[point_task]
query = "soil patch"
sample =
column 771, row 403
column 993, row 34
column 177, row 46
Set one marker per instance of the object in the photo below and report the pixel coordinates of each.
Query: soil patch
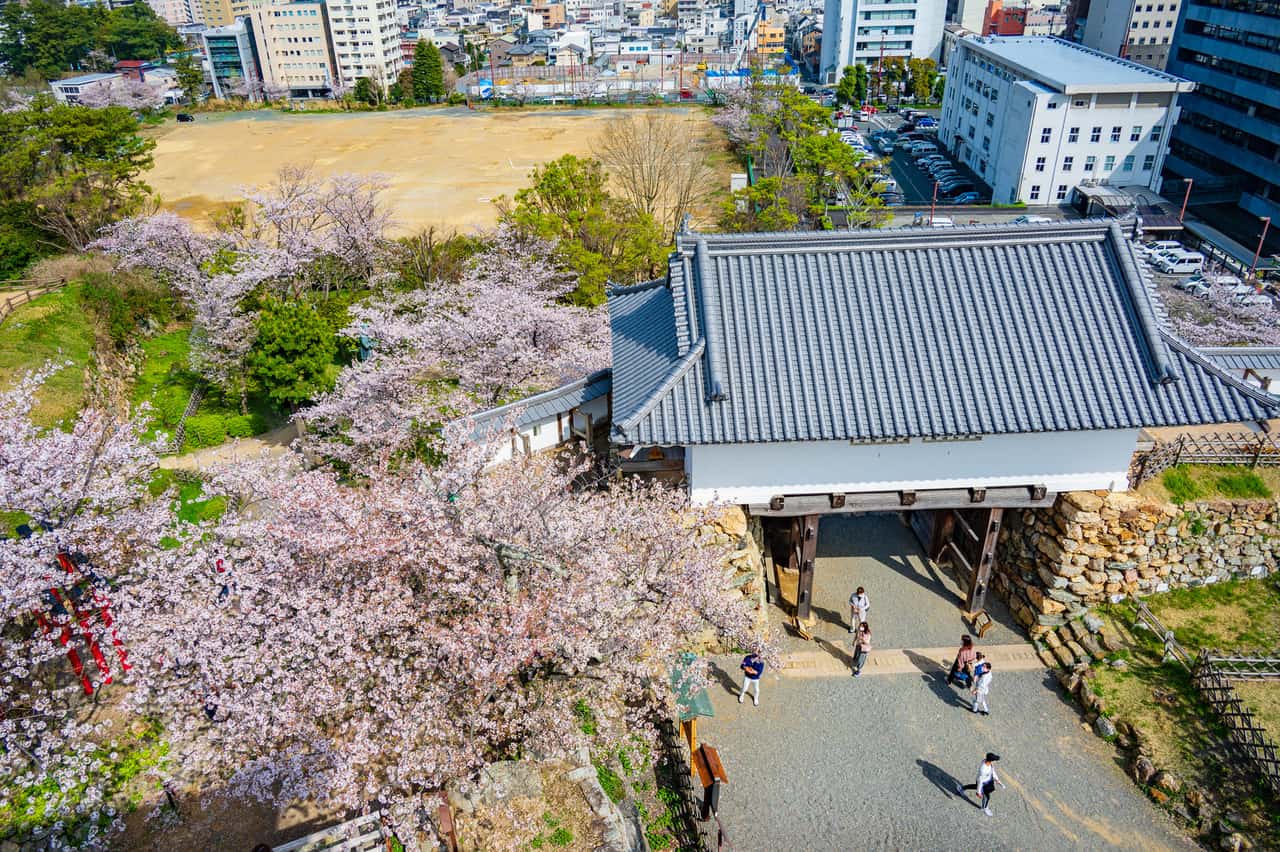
column 443, row 166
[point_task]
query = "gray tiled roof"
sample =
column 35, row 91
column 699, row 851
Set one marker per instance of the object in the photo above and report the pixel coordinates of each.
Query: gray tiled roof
column 1244, row 357
column 548, row 404
column 905, row 333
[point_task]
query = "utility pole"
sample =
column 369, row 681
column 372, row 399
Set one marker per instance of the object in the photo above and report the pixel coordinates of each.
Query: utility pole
column 880, row 70
column 1185, row 199
column 1266, row 224
column 934, row 203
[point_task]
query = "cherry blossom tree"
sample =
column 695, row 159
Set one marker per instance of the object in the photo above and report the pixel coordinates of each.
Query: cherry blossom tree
column 369, row 642
column 1222, row 320
column 82, row 494
column 125, row 92
column 500, row 330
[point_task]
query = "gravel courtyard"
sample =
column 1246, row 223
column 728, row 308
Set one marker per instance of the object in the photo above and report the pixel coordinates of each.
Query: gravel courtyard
column 837, row 763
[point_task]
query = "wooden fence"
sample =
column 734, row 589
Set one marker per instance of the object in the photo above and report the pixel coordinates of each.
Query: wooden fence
column 11, row 299
column 1248, row 739
column 1212, row 675
column 1239, row 448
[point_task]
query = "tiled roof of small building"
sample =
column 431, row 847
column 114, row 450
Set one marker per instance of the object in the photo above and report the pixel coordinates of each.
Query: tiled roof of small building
column 917, row 332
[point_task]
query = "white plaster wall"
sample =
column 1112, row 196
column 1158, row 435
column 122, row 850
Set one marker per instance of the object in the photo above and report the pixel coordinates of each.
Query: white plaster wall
column 1061, row 461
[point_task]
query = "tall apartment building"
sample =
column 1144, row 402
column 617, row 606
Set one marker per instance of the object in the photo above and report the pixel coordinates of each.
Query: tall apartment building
column 1140, row 30
column 856, row 31
column 366, row 40
column 1229, row 132
column 293, row 48
column 1035, row 117
column 175, row 12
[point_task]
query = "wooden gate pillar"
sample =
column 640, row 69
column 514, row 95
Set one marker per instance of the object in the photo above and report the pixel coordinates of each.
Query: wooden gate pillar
column 806, row 528
column 986, row 562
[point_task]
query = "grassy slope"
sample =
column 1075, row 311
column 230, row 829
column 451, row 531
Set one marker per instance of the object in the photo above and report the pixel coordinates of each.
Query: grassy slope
column 51, row 328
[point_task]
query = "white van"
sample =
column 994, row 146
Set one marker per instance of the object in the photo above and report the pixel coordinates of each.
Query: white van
column 1180, row 262
column 920, row 149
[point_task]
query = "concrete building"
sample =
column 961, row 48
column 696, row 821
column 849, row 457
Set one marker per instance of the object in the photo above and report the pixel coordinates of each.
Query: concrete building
column 1228, row 137
column 770, row 38
column 175, row 12
column 366, row 41
column 856, row 31
column 231, row 61
column 1035, row 117
column 1140, row 30
column 967, row 13
column 293, row 49
column 68, row 91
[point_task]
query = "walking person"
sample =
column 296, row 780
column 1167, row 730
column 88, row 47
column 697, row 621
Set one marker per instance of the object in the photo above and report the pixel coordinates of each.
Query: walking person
column 985, row 784
column 752, row 668
column 859, row 606
column 861, row 647
column 962, row 668
column 981, row 686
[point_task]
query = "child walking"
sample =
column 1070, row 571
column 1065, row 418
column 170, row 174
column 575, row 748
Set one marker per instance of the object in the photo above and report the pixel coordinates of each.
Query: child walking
column 861, row 647
column 985, row 784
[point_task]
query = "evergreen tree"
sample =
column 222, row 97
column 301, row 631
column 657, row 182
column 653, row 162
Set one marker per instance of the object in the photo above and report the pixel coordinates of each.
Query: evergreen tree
column 190, row 78
column 421, row 85
column 434, row 73
column 293, row 353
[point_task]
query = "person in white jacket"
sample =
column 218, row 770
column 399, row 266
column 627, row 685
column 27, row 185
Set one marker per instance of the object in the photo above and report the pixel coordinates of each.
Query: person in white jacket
column 859, row 607
column 985, row 783
column 981, row 686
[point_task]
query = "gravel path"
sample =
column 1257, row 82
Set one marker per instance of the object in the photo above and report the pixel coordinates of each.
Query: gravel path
column 838, row 763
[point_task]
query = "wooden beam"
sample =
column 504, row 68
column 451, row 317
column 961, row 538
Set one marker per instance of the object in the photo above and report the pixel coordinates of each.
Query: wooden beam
column 806, row 559
column 837, row 501
column 977, row 598
column 906, row 498
column 796, row 505
column 962, row 524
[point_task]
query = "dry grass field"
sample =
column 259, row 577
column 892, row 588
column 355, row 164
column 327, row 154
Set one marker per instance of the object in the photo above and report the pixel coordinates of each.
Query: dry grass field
column 443, row 166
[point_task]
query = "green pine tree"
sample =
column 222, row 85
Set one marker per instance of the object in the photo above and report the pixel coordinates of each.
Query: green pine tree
column 434, row 73
column 421, row 83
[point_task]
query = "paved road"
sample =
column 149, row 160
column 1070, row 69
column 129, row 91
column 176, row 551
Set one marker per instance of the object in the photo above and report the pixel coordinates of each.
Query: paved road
column 837, row 763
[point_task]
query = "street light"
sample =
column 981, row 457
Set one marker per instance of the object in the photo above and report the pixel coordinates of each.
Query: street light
column 1185, row 199
column 1266, row 223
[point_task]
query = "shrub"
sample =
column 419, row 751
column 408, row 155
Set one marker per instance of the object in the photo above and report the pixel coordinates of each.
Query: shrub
column 1181, row 487
column 123, row 301
column 1245, row 483
column 206, row 430
column 169, row 404
column 241, row 426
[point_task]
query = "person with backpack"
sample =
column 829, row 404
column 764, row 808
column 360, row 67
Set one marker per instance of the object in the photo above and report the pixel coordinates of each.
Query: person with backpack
column 962, row 669
column 981, row 686
column 985, row 784
column 861, row 648
column 859, row 607
column 752, row 668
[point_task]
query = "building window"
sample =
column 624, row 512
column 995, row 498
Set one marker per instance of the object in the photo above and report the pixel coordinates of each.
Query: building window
column 1035, row 192
column 1136, row 134
column 1115, row 134
column 1039, row 164
column 971, row 133
column 1148, row 162
column 1053, row 104
column 1128, row 164
column 1067, row 163
column 1045, row 134
column 1090, row 163
column 1109, row 164
column 1080, row 102
column 986, row 143
column 991, row 120
column 1062, row 191
column 1073, row 135
column 1156, row 131
column 1095, row 135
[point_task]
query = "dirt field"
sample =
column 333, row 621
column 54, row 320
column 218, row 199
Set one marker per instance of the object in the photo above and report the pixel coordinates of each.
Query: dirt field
column 444, row 166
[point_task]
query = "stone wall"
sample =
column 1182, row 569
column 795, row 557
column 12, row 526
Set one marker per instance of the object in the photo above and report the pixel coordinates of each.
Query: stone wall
column 1096, row 546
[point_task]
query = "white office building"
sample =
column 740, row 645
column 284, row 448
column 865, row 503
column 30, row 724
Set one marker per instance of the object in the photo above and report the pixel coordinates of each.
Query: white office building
column 366, row 40
column 1141, row 31
column 1035, row 117
column 856, row 31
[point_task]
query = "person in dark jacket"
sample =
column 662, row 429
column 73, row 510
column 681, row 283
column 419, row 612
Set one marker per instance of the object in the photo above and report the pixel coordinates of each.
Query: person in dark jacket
column 752, row 669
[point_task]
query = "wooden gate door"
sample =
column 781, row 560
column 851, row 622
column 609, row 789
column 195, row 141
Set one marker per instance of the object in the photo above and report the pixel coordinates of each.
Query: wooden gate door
column 968, row 537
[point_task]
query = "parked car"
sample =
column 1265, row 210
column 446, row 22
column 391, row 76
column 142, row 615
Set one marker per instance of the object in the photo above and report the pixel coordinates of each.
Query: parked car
column 1032, row 220
column 887, row 185
column 927, row 121
column 966, row 198
column 185, row 117
column 1180, row 262
column 1253, row 298
column 893, row 199
column 1194, row 286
